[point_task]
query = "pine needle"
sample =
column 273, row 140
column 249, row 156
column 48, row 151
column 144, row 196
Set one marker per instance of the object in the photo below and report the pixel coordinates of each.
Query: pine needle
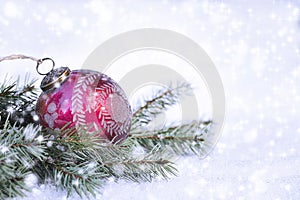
column 18, row 102
column 19, row 152
column 158, row 104
column 185, row 139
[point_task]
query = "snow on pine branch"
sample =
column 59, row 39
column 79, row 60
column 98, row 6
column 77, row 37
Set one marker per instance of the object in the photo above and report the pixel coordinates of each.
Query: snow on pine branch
column 159, row 103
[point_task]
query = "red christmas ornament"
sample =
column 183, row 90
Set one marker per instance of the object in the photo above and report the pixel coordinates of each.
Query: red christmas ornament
column 84, row 98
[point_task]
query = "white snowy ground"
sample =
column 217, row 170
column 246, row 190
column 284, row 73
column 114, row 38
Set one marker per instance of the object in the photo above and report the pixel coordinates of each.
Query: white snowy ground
column 255, row 47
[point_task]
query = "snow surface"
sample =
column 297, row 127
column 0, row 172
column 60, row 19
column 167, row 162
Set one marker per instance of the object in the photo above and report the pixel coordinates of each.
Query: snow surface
column 255, row 47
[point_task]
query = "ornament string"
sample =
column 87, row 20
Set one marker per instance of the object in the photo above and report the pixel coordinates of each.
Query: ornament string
column 18, row 57
column 37, row 60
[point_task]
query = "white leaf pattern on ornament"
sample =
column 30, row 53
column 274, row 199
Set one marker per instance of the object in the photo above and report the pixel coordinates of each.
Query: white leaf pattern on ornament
column 51, row 107
column 51, row 114
column 96, row 93
column 91, row 99
column 117, row 109
column 95, row 126
column 77, row 104
column 83, row 100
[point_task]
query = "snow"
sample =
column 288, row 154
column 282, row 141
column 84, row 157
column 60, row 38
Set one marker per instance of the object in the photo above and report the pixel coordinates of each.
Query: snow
column 40, row 138
column 31, row 180
column 255, row 47
column 10, row 109
column 4, row 149
column 35, row 117
column 10, row 10
column 49, row 143
column 30, row 133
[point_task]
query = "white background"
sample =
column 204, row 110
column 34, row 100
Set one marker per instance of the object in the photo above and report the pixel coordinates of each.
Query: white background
column 255, row 47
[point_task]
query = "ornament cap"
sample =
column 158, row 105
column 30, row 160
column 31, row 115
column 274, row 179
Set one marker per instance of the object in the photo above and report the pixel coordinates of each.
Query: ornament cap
column 55, row 78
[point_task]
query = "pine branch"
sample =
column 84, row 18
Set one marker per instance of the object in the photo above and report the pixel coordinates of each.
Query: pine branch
column 19, row 151
column 81, row 163
column 74, row 171
column 149, row 166
column 17, row 102
column 184, row 139
column 71, row 163
column 76, row 161
column 162, row 100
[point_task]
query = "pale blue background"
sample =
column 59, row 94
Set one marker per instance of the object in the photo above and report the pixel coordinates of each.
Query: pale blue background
column 254, row 45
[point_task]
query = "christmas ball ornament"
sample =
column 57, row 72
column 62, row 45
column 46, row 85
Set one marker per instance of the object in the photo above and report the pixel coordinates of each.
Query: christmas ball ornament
column 84, row 98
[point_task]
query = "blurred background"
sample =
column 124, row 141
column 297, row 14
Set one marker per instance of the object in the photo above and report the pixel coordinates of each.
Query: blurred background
column 255, row 46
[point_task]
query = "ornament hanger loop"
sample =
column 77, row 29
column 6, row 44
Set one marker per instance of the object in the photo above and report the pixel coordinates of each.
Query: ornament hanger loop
column 40, row 61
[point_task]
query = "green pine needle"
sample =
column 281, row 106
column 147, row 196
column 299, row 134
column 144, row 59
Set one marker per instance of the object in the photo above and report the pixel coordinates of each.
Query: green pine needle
column 18, row 102
column 158, row 104
column 183, row 139
column 20, row 150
